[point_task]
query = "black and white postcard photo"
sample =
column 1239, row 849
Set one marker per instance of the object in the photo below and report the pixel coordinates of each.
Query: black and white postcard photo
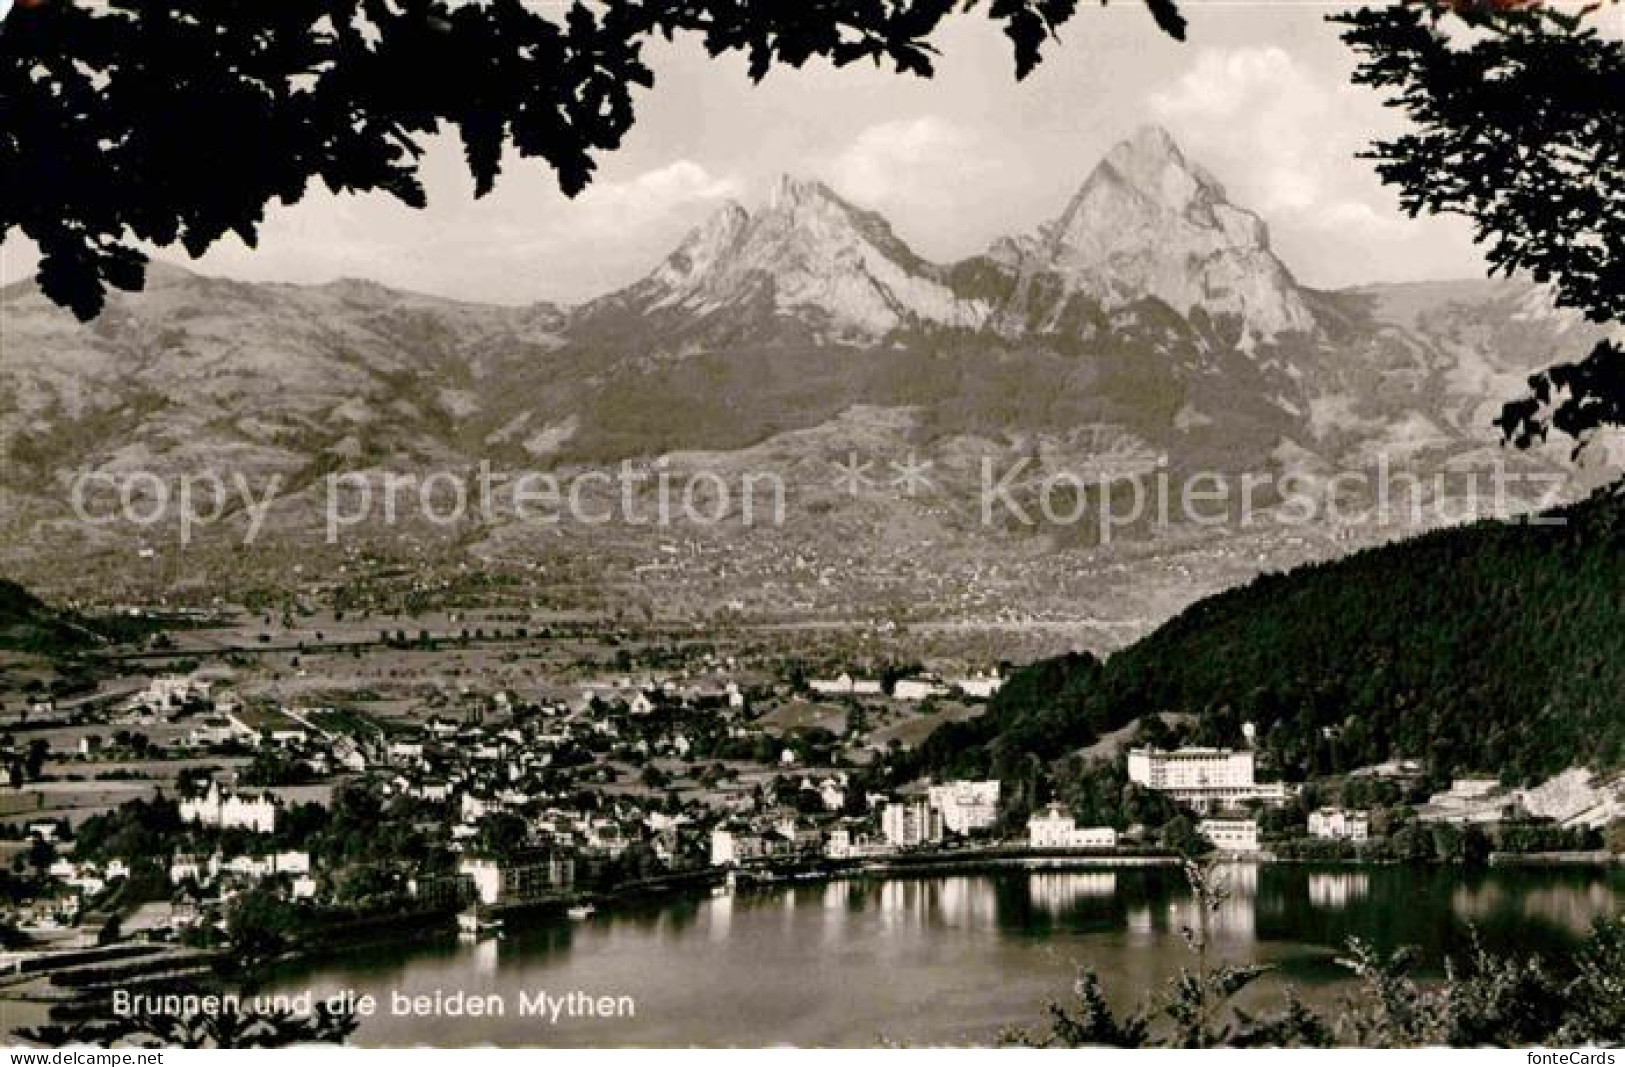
column 811, row 524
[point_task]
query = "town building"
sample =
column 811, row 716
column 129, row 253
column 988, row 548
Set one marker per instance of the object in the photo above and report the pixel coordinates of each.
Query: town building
column 966, row 806
column 845, row 685
column 1230, row 835
column 1204, row 778
column 799, row 835
column 445, row 889
column 849, row 842
column 185, row 867
column 212, row 730
column 1339, row 824
column 831, row 791
column 289, row 863
column 979, row 686
column 1053, row 828
column 733, row 845
column 84, row 877
column 205, row 869
column 171, row 692
column 912, row 689
column 524, row 878
column 1472, row 800
column 231, row 811
column 910, row 822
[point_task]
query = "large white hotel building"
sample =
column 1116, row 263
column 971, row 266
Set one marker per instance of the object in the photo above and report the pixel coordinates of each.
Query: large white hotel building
column 1204, row 778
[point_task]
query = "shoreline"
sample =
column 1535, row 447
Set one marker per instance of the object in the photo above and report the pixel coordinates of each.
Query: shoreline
column 427, row 925
column 686, row 884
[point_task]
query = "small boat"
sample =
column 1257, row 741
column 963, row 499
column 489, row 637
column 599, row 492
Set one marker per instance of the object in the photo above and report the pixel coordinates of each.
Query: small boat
column 472, row 924
column 581, row 911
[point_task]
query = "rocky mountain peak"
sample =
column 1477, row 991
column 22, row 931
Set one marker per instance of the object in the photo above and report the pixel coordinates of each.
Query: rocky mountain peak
column 704, row 249
column 790, row 192
column 820, row 258
column 1149, row 222
column 1150, row 161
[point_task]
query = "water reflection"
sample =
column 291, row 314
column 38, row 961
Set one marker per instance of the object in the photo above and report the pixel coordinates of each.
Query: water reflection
column 952, row 959
column 965, row 902
column 1057, row 893
column 1235, row 920
column 1566, row 901
column 1572, row 908
column 1478, row 901
column 1338, row 889
column 719, row 917
column 485, row 957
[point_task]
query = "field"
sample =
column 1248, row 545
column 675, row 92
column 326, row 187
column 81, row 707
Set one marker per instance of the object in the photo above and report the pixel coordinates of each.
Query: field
column 911, row 726
column 804, row 716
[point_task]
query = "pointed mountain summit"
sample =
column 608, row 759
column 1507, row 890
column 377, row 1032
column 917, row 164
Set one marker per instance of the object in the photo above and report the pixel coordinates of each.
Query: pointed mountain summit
column 1146, row 222
column 811, row 255
column 1149, row 222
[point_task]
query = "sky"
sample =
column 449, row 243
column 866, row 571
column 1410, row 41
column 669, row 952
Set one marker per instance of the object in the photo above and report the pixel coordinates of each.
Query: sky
column 1259, row 94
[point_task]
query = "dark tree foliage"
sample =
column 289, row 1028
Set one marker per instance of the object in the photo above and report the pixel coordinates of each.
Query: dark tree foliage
column 1515, row 665
column 1519, row 114
column 1571, row 398
column 136, row 831
column 178, row 121
column 229, row 1028
column 29, row 625
column 1486, row 1000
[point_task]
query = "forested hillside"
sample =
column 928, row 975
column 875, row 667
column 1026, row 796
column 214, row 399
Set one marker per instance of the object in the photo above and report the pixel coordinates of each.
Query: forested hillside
column 29, row 624
column 1498, row 647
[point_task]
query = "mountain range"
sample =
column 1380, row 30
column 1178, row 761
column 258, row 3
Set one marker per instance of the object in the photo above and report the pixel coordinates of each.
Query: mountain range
column 1148, row 326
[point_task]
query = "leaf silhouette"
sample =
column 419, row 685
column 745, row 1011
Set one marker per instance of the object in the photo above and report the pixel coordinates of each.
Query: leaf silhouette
column 179, row 121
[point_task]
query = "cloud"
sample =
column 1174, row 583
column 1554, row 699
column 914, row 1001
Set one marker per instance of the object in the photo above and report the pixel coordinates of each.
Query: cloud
column 1363, row 218
column 650, row 195
column 944, row 185
column 1289, row 132
column 1286, row 137
column 523, row 241
column 903, row 159
column 614, row 232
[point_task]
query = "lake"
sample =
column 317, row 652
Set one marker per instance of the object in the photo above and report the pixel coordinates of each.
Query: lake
column 947, row 959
